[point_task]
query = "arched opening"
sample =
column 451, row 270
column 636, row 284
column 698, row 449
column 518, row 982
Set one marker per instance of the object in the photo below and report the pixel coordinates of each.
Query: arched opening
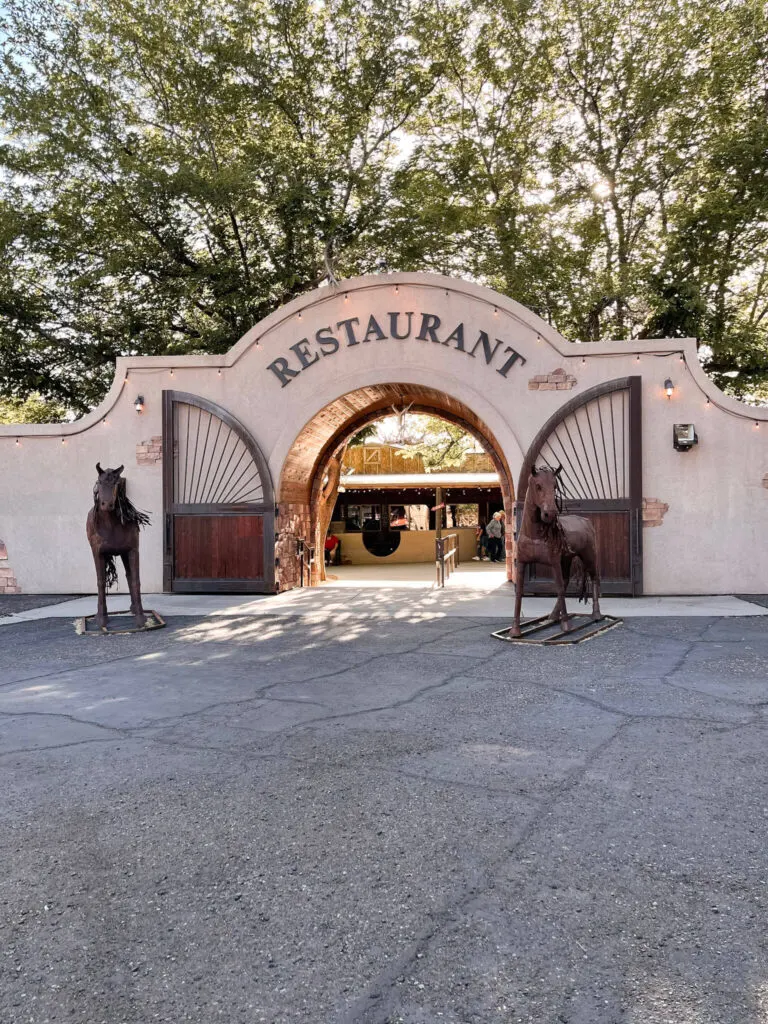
column 326, row 433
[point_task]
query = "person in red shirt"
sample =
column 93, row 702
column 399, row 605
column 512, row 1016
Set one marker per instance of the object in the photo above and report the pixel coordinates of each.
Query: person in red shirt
column 332, row 550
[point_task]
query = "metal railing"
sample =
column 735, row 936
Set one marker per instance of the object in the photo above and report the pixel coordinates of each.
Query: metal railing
column 446, row 556
column 306, row 556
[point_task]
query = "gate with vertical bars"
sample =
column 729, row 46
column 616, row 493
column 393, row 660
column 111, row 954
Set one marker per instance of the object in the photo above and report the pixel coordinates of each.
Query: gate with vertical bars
column 597, row 439
column 218, row 501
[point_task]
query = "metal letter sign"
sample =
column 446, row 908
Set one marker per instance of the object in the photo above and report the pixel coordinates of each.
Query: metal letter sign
column 356, row 331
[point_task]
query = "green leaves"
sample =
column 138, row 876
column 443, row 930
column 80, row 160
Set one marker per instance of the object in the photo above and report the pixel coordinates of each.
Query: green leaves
column 172, row 172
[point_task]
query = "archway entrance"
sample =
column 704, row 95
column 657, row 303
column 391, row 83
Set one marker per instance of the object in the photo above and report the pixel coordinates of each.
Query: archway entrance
column 306, row 465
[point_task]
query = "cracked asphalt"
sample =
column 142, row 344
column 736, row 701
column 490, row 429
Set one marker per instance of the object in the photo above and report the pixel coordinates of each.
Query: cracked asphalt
column 384, row 821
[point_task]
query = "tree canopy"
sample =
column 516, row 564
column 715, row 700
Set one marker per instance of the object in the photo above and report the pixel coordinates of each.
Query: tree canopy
column 172, row 171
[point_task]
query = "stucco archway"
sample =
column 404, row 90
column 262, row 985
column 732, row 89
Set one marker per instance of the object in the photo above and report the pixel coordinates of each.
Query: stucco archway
column 332, row 426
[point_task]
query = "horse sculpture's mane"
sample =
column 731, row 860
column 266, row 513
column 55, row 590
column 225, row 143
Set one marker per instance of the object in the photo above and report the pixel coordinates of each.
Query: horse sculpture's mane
column 125, row 510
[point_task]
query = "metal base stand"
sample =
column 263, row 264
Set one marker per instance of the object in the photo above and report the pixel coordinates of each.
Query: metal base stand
column 87, row 627
column 547, row 633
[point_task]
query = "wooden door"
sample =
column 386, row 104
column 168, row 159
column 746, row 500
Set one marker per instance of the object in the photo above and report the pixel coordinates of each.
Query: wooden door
column 219, row 509
column 596, row 439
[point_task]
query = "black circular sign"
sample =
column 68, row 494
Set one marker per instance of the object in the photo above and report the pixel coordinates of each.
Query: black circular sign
column 381, row 542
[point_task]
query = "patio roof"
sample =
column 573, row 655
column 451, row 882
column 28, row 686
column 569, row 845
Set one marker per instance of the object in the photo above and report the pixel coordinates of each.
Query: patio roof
column 400, row 481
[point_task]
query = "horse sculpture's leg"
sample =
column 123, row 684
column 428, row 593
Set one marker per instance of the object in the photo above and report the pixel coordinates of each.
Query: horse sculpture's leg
column 590, row 566
column 514, row 629
column 101, row 584
column 559, row 611
column 131, row 563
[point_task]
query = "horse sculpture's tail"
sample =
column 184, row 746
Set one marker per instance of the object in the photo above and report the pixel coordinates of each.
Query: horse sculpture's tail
column 585, row 590
column 110, row 576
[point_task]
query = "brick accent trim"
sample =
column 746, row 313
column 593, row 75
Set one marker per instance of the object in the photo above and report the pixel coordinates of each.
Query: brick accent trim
column 149, row 453
column 654, row 511
column 8, row 583
column 557, row 380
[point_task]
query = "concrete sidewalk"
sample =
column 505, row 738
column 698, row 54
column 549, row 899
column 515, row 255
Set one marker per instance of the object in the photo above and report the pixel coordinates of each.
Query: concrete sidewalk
column 391, row 601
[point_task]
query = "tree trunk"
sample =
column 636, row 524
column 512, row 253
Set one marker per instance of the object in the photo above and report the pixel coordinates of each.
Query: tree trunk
column 325, row 506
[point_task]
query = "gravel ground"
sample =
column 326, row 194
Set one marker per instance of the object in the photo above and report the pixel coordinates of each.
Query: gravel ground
column 384, row 822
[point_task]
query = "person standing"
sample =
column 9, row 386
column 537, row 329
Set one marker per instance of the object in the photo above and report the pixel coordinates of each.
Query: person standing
column 494, row 529
column 481, row 541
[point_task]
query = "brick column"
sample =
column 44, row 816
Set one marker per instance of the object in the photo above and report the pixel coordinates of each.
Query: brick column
column 8, row 583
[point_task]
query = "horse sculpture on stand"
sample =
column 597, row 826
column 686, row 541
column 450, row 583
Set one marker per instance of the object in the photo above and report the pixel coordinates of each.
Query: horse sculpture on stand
column 113, row 529
column 553, row 539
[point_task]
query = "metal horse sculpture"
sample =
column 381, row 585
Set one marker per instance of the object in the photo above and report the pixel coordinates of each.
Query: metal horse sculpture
column 113, row 529
column 553, row 539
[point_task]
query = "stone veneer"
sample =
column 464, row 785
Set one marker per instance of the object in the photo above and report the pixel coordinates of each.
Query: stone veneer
column 557, row 380
column 653, row 511
column 8, row 584
column 294, row 522
column 149, row 453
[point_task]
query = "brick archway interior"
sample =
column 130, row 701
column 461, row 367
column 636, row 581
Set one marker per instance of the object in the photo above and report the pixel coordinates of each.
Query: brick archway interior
column 329, row 429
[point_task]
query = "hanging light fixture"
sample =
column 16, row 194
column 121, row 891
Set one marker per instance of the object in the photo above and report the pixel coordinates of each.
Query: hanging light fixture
column 669, row 387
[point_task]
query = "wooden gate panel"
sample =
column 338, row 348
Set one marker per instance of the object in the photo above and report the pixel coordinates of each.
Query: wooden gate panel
column 219, row 547
column 613, row 543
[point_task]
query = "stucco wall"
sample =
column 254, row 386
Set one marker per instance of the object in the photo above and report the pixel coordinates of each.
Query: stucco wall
column 711, row 539
column 415, row 546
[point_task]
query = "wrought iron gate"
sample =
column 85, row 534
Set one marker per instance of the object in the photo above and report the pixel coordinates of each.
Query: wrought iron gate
column 597, row 439
column 218, row 502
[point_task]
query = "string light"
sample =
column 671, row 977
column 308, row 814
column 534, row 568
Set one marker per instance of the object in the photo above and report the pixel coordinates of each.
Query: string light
column 218, row 372
column 299, row 314
column 171, row 372
column 18, row 443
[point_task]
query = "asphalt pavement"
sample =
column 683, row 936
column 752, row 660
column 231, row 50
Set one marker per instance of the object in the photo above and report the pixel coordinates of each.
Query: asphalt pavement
column 289, row 818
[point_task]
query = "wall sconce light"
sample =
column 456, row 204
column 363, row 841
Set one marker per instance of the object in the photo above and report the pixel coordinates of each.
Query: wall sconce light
column 669, row 387
column 138, row 405
column 684, row 437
